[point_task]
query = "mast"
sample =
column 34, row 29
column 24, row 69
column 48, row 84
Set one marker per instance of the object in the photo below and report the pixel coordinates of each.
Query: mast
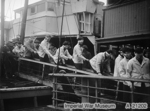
column 2, row 32
column 2, row 22
column 61, row 33
column 23, row 23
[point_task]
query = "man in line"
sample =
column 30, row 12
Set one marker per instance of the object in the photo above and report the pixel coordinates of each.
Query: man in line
column 64, row 53
column 98, row 61
column 30, row 49
column 117, row 61
column 78, row 58
column 139, row 68
column 87, row 55
column 19, row 49
column 123, row 73
column 44, row 49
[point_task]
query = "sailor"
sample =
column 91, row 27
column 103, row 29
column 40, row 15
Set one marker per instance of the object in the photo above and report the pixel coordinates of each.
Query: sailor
column 19, row 49
column 44, row 49
column 63, row 54
column 30, row 49
column 78, row 58
column 99, row 60
column 139, row 68
column 117, row 60
column 123, row 73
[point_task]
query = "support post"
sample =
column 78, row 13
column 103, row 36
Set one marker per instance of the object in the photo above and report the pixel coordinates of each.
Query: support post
column 2, row 32
column 23, row 23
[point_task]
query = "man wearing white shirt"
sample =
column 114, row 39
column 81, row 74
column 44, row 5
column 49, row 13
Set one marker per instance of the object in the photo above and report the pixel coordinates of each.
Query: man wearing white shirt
column 117, row 61
column 63, row 54
column 139, row 68
column 19, row 49
column 78, row 58
column 123, row 73
column 44, row 49
column 97, row 62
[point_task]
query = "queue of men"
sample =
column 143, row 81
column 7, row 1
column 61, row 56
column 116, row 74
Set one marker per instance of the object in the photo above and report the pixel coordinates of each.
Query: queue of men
column 126, row 66
column 137, row 67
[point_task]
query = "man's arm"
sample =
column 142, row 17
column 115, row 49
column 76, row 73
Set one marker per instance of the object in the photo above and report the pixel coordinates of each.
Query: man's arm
column 62, row 55
column 129, row 68
column 98, row 64
column 27, row 45
column 68, row 54
column 79, row 53
column 122, row 70
column 43, row 46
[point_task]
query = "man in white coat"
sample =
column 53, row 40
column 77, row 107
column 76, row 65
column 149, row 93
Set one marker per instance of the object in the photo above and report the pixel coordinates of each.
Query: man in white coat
column 123, row 73
column 117, row 61
column 139, row 68
column 44, row 52
column 98, row 61
column 63, row 54
column 78, row 58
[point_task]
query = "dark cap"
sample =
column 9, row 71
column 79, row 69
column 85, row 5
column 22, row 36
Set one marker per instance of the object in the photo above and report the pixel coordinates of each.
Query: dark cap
column 109, row 51
column 36, row 41
column 80, row 38
column 121, row 49
column 138, row 50
column 127, row 49
column 85, row 47
column 66, row 43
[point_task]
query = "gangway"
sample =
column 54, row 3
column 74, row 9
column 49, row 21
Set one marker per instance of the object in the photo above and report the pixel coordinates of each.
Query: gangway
column 89, row 88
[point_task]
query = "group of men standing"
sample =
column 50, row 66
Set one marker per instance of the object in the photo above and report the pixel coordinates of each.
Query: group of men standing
column 137, row 67
column 126, row 66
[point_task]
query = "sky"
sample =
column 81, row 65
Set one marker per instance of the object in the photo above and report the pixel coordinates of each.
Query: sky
column 11, row 5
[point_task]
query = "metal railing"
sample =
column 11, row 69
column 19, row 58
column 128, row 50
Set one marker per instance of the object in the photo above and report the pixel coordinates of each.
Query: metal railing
column 85, row 90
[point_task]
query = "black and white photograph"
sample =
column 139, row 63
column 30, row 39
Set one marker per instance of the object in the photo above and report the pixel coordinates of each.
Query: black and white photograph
column 74, row 55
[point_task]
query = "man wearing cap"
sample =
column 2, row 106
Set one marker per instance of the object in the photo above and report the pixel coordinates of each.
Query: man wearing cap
column 78, row 58
column 123, row 73
column 64, row 53
column 98, row 61
column 139, row 68
column 19, row 49
column 30, row 49
column 117, row 61
column 44, row 49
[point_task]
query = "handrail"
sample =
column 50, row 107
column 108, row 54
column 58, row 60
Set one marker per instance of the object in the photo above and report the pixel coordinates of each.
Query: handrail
column 99, row 77
column 62, row 67
column 86, row 74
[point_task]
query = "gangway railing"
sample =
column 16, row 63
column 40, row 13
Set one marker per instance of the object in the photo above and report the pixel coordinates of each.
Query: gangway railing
column 85, row 90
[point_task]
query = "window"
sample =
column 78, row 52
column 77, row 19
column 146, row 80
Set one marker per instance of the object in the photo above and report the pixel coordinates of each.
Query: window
column 41, row 7
column 50, row 7
column 85, row 22
column 33, row 10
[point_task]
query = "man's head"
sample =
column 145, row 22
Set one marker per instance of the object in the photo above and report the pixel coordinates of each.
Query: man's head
column 109, row 54
column 128, row 53
column 85, row 48
column 36, row 42
column 18, row 44
column 147, row 53
column 48, row 37
column 138, row 53
column 66, row 44
column 121, row 51
column 80, row 40
column 51, row 45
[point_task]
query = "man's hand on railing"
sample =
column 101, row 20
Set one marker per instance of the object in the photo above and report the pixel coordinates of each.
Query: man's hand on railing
column 99, row 74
